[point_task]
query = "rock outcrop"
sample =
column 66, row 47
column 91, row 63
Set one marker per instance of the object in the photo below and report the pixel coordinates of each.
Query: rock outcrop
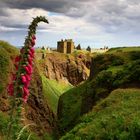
column 64, row 67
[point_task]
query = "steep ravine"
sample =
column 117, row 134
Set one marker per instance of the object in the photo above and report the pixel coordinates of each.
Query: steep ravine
column 62, row 68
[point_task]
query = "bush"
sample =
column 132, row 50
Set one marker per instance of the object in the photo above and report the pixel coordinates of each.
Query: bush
column 103, row 62
column 134, row 70
column 104, row 79
column 134, row 55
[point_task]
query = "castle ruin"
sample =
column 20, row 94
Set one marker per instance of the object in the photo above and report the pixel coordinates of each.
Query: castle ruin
column 65, row 46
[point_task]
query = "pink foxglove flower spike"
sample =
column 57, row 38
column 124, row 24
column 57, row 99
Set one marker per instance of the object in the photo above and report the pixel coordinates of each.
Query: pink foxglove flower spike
column 24, row 63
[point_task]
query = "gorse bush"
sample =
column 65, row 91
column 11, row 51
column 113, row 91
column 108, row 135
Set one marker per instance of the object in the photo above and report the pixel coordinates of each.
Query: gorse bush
column 104, row 79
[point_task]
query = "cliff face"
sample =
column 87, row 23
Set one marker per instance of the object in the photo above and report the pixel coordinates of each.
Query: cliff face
column 66, row 67
column 37, row 110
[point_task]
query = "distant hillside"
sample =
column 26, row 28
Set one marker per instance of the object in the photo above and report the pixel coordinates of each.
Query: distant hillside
column 123, row 49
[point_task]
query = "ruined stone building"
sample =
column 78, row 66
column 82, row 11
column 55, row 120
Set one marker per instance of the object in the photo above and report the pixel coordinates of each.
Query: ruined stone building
column 65, row 46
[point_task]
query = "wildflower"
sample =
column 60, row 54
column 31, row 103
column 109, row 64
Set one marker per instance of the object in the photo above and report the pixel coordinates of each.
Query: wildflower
column 28, row 77
column 25, row 94
column 32, row 50
column 23, row 78
column 25, row 67
column 32, row 42
column 33, row 37
column 17, row 59
column 30, row 60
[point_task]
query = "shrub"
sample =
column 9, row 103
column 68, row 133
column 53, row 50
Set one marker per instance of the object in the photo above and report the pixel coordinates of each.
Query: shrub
column 134, row 55
column 102, row 62
column 104, row 79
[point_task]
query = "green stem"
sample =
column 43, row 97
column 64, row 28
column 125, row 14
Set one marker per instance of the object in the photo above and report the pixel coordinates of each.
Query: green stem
column 11, row 119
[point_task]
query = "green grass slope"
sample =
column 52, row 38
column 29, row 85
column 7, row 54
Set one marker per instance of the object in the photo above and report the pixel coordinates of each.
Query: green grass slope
column 52, row 90
column 115, row 118
column 123, row 49
column 108, row 72
column 7, row 53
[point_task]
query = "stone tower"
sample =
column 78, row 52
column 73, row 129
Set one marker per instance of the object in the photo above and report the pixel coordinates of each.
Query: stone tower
column 66, row 46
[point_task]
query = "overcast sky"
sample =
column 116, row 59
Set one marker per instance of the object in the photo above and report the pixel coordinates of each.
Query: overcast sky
column 89, row 22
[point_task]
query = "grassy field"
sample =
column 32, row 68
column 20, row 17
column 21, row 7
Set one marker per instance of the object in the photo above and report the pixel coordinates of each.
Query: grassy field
column 52, row 91
column 116, row 117
column 123, row 49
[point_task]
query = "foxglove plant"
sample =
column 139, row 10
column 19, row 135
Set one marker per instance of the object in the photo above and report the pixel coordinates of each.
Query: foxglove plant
column 24, row 64
column 20, row 81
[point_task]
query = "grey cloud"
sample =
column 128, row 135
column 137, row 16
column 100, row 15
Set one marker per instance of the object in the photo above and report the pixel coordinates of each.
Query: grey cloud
column 61, row 6
column 116, row 16
column 69, row 8
column 111, row 16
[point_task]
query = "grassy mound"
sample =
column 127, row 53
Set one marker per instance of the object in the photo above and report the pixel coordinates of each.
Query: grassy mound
column 115, row 118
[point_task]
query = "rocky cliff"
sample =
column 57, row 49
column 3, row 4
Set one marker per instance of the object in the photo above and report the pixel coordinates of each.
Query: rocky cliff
column 69, row 68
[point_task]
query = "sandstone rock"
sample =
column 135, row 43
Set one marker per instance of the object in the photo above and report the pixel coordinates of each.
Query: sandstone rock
column 72, row 70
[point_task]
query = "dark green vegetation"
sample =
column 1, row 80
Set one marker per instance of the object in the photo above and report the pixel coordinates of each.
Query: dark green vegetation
column 115, row 118
column 4, row 122
column 109, row 71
